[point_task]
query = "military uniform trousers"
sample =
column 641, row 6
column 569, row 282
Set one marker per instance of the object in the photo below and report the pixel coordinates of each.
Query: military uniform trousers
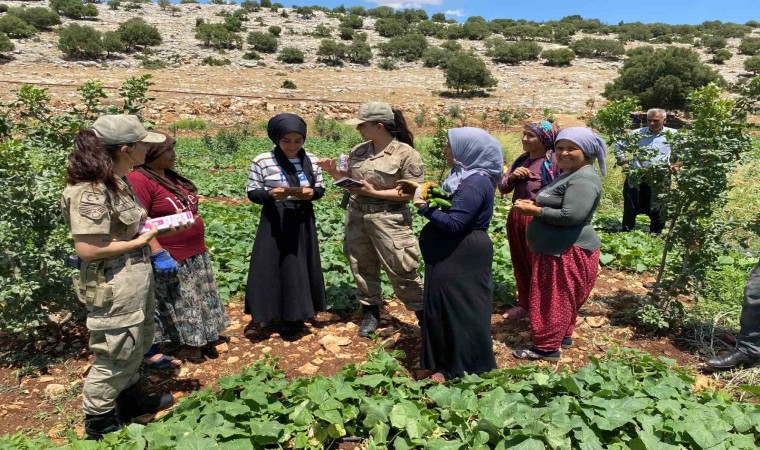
column 121, row 326
column 748, row 340
column 378, row 237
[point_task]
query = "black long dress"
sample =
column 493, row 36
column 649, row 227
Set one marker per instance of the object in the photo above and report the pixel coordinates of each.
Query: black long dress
column 285, row 279
column 458, row 298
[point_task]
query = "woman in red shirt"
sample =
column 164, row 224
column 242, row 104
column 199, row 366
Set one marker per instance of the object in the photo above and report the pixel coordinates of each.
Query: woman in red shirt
column 530, row 172
column 189, row 311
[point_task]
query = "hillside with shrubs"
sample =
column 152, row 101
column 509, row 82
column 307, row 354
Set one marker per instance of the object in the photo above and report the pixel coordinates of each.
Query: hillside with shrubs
column 580, row 57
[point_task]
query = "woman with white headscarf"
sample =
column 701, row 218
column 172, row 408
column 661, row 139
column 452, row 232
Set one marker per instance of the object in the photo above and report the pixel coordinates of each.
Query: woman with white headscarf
column 565, row 246
column 458, row 293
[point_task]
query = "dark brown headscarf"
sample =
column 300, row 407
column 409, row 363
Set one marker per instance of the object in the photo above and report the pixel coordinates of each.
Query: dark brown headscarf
column 154, row 152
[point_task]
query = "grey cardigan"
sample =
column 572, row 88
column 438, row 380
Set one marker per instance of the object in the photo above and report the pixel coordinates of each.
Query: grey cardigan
column 567, row 205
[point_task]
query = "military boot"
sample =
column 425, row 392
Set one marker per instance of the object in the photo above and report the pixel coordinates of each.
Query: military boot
column 370, row 321
column 96, row 425
column 132, row 403
column 731, row 360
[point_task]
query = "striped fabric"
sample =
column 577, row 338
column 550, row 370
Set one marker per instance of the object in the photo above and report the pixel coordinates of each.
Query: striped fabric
column 265, row 173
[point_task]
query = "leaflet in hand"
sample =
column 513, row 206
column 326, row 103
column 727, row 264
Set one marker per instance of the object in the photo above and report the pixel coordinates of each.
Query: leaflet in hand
column 347, row 182
column 166, row 222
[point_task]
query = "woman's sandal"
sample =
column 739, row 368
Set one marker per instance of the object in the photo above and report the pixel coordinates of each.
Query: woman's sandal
column 162, row 363
column 437, row 378
column 515, row 313
column 532, row 354
column 567, row 342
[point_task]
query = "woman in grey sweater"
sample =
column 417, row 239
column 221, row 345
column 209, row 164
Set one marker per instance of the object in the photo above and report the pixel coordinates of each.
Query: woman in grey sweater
column 564, row 245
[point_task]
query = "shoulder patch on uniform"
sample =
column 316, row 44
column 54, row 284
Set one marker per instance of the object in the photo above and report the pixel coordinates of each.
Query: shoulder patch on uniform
column 416, row 170
column 360, row 152
column 92, row 197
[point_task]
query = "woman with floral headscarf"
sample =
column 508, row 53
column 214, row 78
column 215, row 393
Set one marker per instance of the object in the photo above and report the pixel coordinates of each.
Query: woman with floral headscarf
column 530, row 172
column 458, row 292
column 189, row 311
column 564, row 244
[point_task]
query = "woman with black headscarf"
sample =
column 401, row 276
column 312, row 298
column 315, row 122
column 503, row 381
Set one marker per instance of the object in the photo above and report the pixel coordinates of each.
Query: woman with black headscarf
column 285, row 283
column 189, row 311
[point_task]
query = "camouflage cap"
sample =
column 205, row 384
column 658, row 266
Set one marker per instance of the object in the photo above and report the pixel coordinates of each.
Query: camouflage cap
column 124, row 129
column 373, row 112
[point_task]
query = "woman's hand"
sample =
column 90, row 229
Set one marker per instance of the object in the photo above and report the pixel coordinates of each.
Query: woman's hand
column 330, row 166
column 417, row 200
column 366, row 190
column 278, row 193
column 148, row 236
column 521, row 173
column 407, row 187
column 526, row 208
column 306, row 193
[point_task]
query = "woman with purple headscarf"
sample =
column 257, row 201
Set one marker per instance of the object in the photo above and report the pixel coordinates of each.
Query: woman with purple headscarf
column 564, row 244
column 458, row 293
column 530, row 172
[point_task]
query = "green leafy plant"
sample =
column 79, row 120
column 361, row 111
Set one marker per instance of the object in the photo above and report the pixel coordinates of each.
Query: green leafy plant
column 288, row 84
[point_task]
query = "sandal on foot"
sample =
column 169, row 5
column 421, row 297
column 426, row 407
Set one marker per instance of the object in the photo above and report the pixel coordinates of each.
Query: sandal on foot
column 533, row 354
column 567, row 342
column 162, row 363
column 515, row 313
column 437, row 378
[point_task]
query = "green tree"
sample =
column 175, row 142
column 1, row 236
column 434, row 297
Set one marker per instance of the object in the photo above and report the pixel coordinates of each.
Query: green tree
column 438, row 17
column 291, row 55
column 714, row 43
column 408, row 47
column 558, row 57
column 722, row 56
column 661, row 78
column 216, row 35
column 80, row 41
column 39, row 17
column 331, row 52
column 74, row 9
column 164, row 4
column 465, row 73
column 346, row 33
column 352, row 21
column 359, row 52
column 513, row 53
column 749, row 46
column 391, row 27
column 752, row 64
column 5, row 44
column 597, row 48
column 436, row 57
column 322, row 30
column 136, row 32
column 263, row 42
column 112, row 43
column 274, row 30
column 15, row 27
column 476, row 28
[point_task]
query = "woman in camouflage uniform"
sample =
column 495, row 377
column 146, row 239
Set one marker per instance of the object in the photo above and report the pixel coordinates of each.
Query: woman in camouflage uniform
column 115, row 278
column 379, row 223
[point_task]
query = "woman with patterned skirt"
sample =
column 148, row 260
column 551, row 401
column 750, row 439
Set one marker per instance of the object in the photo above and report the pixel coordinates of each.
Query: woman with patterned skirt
column 189, row 310
column 565, row 246
column 530, row 172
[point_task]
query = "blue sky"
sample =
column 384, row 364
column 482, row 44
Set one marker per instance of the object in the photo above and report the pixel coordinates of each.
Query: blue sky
column 609, row 11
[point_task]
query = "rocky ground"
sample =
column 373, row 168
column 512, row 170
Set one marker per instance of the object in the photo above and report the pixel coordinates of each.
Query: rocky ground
column 251, row 90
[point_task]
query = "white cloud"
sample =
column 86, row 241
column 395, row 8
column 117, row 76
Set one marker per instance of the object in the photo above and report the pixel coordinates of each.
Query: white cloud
column 454, row 12
column 401, row 4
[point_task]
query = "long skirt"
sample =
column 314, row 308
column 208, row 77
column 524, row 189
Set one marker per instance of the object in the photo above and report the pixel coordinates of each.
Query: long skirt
column 559, row 287
column 522, row 258
column 458, row 299
column 285, row 279
column 189, row 310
